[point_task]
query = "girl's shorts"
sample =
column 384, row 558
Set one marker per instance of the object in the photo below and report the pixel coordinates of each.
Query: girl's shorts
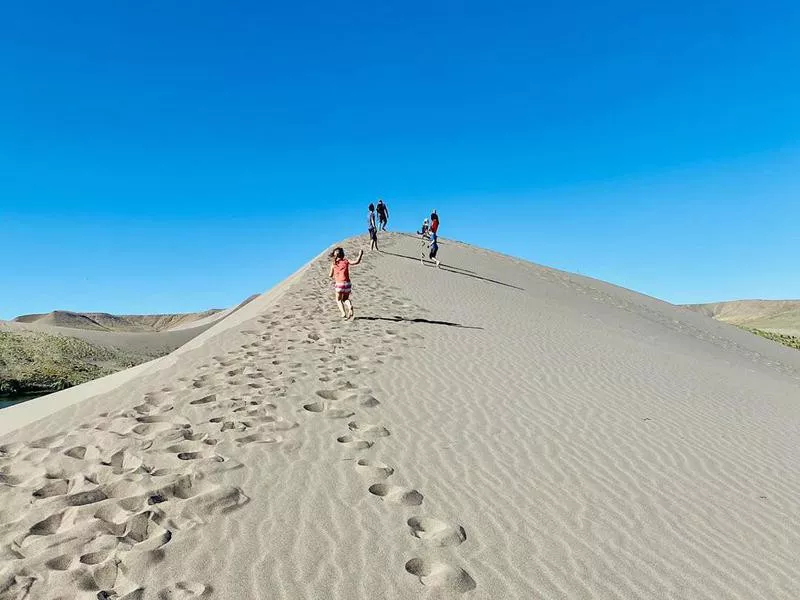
column 342, row 287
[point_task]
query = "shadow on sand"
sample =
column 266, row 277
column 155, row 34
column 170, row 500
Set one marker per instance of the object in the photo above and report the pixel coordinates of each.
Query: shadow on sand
column 399, row 319
column 456, row 270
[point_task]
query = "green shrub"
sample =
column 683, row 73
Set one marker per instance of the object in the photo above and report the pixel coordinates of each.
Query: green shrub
column 787, row 340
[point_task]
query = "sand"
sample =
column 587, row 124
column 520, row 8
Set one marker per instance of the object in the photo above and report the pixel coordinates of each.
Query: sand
column 490, row 429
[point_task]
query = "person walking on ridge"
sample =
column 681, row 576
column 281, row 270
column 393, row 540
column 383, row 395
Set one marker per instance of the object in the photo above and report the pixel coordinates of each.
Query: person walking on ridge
column 433, row 249
column 340, row 271
column 424, row 231
column 433, row 237
column 372, row 228
column 383, row 214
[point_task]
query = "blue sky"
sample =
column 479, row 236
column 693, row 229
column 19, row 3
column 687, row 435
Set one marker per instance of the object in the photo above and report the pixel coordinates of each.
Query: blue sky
column 172, row 156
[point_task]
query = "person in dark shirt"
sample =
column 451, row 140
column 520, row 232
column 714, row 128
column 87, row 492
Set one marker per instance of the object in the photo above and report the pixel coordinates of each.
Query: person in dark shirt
column 372, row 228
column 383, row 214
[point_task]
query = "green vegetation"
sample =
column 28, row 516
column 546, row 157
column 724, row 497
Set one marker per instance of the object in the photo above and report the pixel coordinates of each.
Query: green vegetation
column 792, row 341
column 33, row 362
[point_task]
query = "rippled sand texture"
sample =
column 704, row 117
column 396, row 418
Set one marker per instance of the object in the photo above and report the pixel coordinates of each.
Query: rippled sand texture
column 490, row 429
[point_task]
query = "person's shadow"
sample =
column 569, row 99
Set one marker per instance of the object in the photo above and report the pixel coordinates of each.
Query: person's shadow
column 399, row 319
column 456, row 270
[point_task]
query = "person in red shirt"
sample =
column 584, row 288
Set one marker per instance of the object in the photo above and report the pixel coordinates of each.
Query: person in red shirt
column 434, row 222
column 340, row 271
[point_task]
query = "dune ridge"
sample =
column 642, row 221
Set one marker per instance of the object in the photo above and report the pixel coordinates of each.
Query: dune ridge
column 491, row 429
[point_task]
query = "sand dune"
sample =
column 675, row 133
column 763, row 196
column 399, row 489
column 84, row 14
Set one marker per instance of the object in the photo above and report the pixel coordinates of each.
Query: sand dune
column 778, row 316
column 491, row 429
column 109, row 322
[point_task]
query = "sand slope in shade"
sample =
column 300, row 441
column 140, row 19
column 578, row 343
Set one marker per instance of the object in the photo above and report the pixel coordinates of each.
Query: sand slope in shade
column 490, row 429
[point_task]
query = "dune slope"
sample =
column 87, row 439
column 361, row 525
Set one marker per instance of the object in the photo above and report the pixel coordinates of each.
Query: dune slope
column 491, row 429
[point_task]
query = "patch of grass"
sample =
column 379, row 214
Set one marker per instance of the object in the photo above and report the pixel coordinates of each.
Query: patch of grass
column 32, row 362
column 787, row 340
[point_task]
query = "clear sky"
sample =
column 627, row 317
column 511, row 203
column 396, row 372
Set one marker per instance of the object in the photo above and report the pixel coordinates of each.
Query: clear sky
column 175, row 156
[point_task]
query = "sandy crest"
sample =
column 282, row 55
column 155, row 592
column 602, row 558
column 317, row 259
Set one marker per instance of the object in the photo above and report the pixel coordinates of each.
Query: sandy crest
column 491, row 429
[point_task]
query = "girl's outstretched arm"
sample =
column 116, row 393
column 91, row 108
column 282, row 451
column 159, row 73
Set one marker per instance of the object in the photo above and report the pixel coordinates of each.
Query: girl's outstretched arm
column 358, row 260
column 330, row 273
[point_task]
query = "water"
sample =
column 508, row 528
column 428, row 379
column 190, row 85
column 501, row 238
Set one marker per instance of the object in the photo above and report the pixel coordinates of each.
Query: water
column 11, row 401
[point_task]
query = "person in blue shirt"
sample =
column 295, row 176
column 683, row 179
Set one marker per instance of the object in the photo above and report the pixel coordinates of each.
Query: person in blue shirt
column 433, row 249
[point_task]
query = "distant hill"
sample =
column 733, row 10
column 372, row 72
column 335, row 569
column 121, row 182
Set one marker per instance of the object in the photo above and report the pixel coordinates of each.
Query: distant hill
column 774, row 316
column 42, row 353
column 109, row 322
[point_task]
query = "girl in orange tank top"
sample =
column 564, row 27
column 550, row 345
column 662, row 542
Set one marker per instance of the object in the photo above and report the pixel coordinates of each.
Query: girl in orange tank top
column 340, row 272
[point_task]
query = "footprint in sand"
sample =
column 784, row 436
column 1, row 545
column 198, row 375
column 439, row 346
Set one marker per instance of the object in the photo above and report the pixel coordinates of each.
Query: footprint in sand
column 144, row 533
column 395, row 494
column 256, row 438
column 185, row 589
column 374, row 468
column 330, row 413
column 194, row 451
column 103, row 576
column 432, row 573
column 227, row 424
column 354, row 443
column 10, row 450
column 367, row 430
column 197, row 455
column 335, row 395
column 435, row 532
column 48, row 526
column 199, row 384
column 204, row 399
column 95, row 558
column 368, row 401
column 155, row 425
column 349, row 392
column 84, row 498
column 57, row 487
column 59, row 563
